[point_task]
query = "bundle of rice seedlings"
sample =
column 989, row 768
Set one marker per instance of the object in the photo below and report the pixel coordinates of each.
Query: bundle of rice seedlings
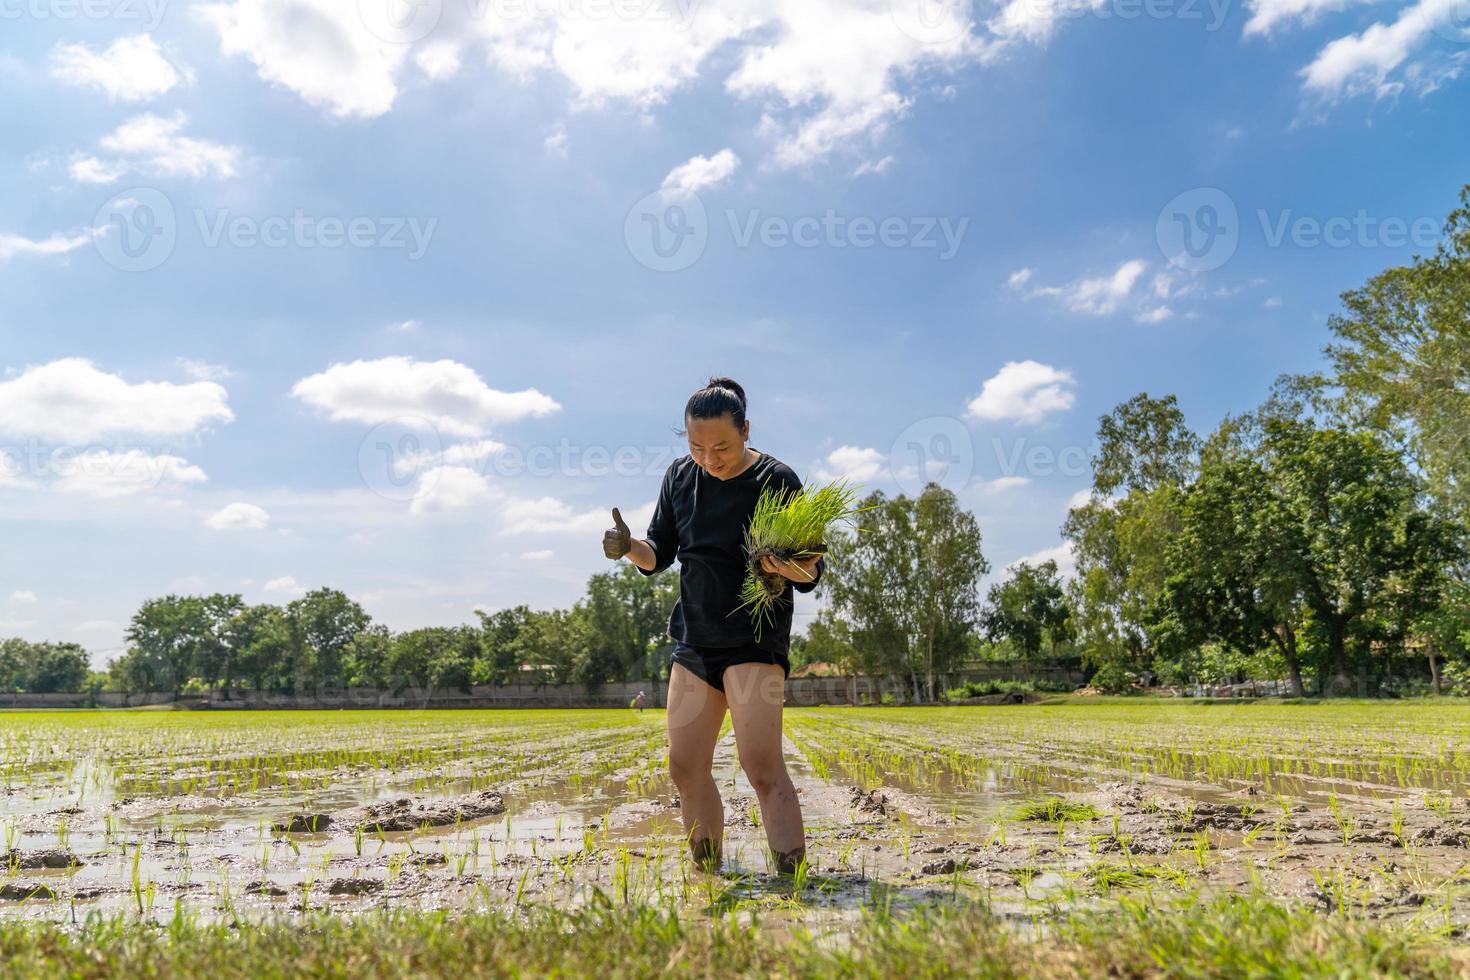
column 788, row 524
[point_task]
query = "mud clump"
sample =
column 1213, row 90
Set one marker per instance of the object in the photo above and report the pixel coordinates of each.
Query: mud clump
column 1443, row 836
column 870, row 801
column 20, row 891
column 1213, row 816
column 355, row 886
column 402, row 814
column 304, row 823
column 425, row 860
column 53, row 857
column 267, row 888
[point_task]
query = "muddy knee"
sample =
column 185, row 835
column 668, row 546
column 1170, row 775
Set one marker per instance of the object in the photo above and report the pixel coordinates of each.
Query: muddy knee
column 685, row 772
column 766, row 777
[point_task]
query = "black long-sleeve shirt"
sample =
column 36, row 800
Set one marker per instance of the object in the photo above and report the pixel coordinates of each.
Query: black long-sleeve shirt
column 701, row 520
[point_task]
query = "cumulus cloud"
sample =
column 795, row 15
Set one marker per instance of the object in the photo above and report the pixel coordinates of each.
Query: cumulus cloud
column 239, row 517
column 155, row 146
column 285, row 585
column 450, row 488
column 104, row 473
column 540, row 554
column 1035, row 21
column 699, row 173
column 1063, row 554
column 131, row 69
column 72, row 401
column 855, row 463
column 829, row 72
column 445, row 394
column 23, row 595
column 1379, row 59
column 1024, row 391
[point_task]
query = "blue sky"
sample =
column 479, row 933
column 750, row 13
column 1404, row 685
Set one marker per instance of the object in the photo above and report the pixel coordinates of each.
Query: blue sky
column 899, row 224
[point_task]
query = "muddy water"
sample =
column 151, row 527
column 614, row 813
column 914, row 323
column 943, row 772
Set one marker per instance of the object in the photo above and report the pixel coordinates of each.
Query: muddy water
column 896, row 838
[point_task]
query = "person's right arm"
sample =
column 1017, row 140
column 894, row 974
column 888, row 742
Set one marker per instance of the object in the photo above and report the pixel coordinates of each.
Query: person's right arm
column 651, row 555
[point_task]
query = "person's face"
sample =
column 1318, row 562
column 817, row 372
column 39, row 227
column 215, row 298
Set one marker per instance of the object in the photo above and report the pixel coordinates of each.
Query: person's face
column 716, row 445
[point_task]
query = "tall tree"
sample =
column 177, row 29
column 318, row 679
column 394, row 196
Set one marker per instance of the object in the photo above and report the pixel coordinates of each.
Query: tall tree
column 1028, row 609
column 326, row 622
column 1401, row 360
column 907, row 581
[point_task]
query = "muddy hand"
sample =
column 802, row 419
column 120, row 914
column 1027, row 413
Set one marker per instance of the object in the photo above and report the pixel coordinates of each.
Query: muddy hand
column 617, row 540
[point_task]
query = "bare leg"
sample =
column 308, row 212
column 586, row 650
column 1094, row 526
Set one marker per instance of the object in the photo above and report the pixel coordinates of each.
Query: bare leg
column 696, row 712
column 756, row 693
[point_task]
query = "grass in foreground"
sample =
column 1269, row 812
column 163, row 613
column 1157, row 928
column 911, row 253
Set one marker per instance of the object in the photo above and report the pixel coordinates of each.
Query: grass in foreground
column 1229, row 937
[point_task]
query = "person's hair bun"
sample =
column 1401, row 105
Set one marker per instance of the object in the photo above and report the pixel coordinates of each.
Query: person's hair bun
column 730, row 383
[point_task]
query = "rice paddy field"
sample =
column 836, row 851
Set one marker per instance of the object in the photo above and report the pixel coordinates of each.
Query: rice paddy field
column 1077, row 838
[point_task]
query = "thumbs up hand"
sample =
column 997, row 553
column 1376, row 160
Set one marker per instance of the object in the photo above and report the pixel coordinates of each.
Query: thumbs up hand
column 617, row 540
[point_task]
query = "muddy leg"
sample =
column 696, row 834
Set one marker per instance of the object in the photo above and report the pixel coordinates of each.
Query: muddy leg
column 696, row 712
column 756, row 693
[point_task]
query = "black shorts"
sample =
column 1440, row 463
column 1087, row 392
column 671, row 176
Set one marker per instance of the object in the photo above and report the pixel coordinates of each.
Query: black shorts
column 709, row 663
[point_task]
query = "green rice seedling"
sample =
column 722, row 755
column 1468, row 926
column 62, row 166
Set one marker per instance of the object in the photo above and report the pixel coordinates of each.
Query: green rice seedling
column 1052, row 809
column 788, row 525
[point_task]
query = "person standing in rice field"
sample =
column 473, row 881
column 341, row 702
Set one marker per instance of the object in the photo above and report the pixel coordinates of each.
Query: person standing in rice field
column 718, row 662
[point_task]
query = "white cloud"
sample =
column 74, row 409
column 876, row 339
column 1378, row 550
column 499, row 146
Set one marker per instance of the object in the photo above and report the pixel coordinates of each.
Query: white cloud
column 471, row 454
column 1002, row 483
column 1364, row 62
column 1080, row 499
column 285, row 585
column 1062, row 554
column 131, row 69
column 154, row 146
column 450, row 488
column 103, row 473
column 879, row 167
column 13, row 245
column 1106, row 295
column 203, row 370
column 1037, row 20
column 828, row 72
column 556, row 140
column 1024, row 391
column 438, row 60
column 444, row 394
column 1266, row 15
column 71, row 401
column 541, row 554
column 1272, row 303
column 852, row 463
column 239, row 517
column 23, row 595
column 319, row 49
column 699, row 173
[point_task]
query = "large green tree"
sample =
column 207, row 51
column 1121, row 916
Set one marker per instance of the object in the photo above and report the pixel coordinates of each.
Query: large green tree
column 1401, row 360
column 907, row 582
column 1028, row 609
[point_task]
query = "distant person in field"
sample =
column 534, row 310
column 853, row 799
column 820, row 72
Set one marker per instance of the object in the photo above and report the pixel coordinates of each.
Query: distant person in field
column 640, row 702
column 703, row 508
